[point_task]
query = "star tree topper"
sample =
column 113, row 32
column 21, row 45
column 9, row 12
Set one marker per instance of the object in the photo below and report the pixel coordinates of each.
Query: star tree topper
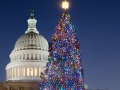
column 65, row 5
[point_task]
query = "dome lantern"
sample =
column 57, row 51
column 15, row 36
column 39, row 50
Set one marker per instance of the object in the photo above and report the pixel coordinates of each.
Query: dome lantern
column 32, row 23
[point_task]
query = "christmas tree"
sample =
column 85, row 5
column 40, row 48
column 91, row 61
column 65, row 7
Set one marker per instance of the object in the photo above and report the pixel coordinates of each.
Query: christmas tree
column 64, row 69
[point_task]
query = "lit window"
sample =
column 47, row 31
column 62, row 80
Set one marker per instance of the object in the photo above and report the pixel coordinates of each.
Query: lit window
column 28, row 70
column 14, row 72
column 35, row 71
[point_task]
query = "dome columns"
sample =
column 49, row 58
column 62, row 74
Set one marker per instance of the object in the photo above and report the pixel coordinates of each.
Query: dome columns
column 24, row 73
column 29, row 55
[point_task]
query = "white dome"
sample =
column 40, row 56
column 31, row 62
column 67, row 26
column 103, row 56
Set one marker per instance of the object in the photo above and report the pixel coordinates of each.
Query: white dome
column 31, row 40
column 29, row 56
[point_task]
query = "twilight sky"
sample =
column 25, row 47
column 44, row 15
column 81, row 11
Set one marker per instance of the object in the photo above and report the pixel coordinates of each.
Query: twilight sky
column 97, row 24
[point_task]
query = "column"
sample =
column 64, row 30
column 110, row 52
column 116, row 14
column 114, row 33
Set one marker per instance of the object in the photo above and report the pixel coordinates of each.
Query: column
column 21, row 71
column 16, row 57
column 18, row 71
column 13, row 57
column 37, row 56
column 41, row 57
column 33, row 56
column 22, row 56
column 29, row 56
column 33, row 71
column 37, row 71
column 9, row 73
column 6, row 74
column 29, row 71
column 25, row 56
column 12, row 72
column 25, row 71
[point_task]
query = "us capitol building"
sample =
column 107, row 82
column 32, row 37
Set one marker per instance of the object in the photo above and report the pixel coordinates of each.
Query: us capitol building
column 27, row 60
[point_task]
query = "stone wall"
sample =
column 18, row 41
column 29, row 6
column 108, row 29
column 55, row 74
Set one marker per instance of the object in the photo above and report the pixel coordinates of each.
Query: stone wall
column 19, row 86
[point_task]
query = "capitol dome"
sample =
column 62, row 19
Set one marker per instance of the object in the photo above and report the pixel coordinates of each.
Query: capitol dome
column 29, row 56
column 31, row 40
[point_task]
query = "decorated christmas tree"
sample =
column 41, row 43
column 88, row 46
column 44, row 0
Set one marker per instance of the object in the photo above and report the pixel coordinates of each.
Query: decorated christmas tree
column 64, row 69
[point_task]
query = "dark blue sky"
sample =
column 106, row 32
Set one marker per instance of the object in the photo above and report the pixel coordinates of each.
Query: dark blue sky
column 97, row 24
